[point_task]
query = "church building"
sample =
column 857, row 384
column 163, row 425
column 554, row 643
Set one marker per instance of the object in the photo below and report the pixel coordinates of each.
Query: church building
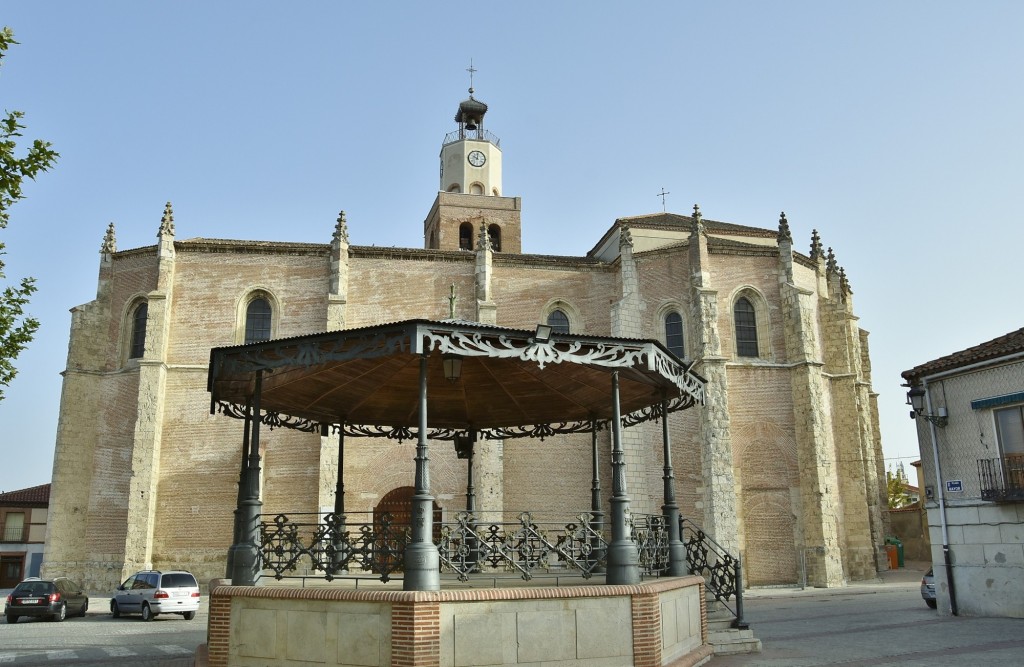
column 781, row 466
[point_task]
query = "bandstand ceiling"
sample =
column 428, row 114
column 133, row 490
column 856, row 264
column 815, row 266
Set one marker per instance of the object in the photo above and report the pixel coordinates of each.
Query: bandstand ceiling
column 371, row 376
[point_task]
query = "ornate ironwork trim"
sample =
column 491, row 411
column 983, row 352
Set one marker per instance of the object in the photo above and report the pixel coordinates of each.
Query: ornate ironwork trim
column 286, row 352
column 402, row 433
column 590, row 353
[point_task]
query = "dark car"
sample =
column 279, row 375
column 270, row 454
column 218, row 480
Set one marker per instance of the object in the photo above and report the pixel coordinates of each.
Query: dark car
column 53, row 598
column 928, row 589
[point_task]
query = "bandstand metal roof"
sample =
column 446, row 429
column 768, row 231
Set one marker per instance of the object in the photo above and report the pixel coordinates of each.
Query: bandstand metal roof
column 510, row 386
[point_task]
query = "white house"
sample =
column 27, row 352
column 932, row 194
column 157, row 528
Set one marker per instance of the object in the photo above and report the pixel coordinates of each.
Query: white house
column 969, row 406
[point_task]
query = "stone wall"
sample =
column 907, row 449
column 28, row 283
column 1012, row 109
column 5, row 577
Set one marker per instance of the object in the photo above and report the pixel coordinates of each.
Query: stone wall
column 649, row 625
column 755, row 466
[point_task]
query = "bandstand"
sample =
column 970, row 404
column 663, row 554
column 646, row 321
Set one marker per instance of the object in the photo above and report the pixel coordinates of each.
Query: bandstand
column 463, row 382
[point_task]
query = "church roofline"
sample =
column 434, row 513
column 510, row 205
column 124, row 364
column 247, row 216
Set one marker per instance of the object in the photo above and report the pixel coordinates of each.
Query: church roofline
column 205, row 245
column 678, row 222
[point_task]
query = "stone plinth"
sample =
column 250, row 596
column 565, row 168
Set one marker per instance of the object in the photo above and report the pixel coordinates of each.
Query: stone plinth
column 652, row 624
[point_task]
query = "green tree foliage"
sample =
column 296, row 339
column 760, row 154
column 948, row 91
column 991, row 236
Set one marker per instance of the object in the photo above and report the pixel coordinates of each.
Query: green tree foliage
column 16, row 329
column 896, row 488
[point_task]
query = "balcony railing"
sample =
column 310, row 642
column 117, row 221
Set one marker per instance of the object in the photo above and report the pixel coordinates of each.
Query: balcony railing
column 1002, row 479
column 479, row 134
column 13, row 534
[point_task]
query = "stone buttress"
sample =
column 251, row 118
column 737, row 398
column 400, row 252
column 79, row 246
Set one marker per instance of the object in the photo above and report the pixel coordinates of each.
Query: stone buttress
column 489, row 455
column 721, row 510
column 75, row 451
column 626, row 323
column 812, row 407
column 149, row 422
column 857, row 447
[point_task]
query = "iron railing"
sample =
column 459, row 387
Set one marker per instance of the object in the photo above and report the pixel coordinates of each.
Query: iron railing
column 722, row 572
column 1002, row 479
column 478, row 134
column 523, row 546
column 329, row 545
column 650, row 533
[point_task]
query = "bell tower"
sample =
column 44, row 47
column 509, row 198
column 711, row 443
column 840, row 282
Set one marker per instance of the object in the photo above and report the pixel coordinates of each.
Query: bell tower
column 470, row 188
column 471, row 156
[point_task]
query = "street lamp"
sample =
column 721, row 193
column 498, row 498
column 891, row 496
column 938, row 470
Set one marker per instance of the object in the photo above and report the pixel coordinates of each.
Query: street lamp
column 916, row 398
column 452, row 367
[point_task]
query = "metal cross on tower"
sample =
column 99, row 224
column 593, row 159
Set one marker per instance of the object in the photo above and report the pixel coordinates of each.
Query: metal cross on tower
column 471, row 70
column 662, row 195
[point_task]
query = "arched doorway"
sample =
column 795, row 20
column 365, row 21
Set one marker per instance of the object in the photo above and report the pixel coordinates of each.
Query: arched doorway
column 392, row 523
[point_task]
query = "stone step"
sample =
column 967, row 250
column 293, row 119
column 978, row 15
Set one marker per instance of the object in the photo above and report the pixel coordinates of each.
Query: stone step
column 729, row 634
column 723, row 623
column 733, row 641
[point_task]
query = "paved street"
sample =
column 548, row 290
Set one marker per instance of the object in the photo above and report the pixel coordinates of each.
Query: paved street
column 878, row 624
column 99, row 640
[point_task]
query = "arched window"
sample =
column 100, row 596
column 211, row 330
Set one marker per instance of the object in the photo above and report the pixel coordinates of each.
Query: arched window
column 494, row 232
column 454, row 187
column 745, row 319
column 257, row 320
column 138, row 346
column 465, row 236
column 558, row 321
column 674, row 334
column 476, row 189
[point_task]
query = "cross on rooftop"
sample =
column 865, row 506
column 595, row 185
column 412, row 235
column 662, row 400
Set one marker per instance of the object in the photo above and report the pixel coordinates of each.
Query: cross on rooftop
column 662, row 195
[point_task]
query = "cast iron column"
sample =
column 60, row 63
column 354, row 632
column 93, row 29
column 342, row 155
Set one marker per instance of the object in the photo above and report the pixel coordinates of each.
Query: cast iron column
column 422, row 561
column 623, row 557
column 471, row 542
column 240, row 496
column 245, row 552
column 596, row 514
column 470, row 489
column 676, row 548
column 340, row 556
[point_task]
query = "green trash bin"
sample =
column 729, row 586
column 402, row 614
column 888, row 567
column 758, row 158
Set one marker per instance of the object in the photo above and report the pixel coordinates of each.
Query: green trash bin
column 896, row 542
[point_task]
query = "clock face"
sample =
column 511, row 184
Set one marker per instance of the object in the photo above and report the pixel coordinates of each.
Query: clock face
column 476, row 158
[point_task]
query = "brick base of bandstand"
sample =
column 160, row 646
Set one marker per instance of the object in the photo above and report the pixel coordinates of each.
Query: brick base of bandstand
column 661, row 623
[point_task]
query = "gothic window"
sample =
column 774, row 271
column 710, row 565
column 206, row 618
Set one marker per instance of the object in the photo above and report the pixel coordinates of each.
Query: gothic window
column 745, row 319
column 465, row 236
column 138, row 340
column 257, row 320
column 558, row 321
column 674, row 334
column 494, row 232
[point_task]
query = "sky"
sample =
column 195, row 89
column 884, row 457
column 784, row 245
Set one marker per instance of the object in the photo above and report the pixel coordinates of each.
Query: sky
column 893, row 128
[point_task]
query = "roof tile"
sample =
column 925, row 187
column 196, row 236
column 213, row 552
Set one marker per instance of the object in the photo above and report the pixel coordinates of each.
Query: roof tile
column 34, row 495
column 1007, row 344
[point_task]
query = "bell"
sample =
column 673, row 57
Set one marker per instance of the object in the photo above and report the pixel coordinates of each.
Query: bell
column 471, row 125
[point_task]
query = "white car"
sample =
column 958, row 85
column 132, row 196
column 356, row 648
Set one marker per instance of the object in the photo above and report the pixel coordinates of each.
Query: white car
column 928, row 589
column 152, row 593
